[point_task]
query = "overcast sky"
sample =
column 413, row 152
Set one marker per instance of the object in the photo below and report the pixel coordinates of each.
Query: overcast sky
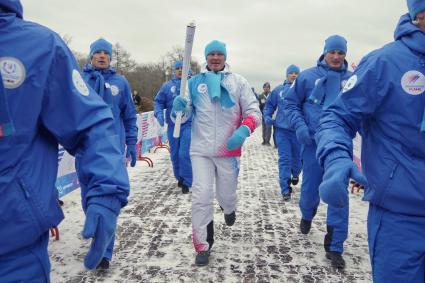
column 262, row 37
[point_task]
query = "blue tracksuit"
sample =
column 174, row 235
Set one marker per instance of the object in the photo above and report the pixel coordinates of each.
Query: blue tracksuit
column 48, row 102
column 179, row 148
column 385, row 102
column 302, row 110
column 117, row 94
column 287, row 144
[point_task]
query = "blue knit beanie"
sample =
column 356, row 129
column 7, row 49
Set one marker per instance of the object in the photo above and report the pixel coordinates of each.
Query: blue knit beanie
column 415, row 7
column 216, row 46
column 101, row 45
column 13, row 6
column 292, row 69
column 178, row 64
column 335, row 42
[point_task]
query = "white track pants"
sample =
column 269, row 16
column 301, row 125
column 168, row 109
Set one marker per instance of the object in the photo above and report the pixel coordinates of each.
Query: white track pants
column 223, row 171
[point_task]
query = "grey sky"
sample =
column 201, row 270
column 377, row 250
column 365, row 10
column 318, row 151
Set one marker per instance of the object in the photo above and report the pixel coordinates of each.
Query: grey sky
column 262, row 37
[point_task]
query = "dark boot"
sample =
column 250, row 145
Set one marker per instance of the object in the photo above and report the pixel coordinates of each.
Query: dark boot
column 185, row 189
column 230, row 218
column 103, row 264
column 295, row 180
column 336, row 260
column 305, row 226
column 180, row 183
column 286, row 196
column 202, row 258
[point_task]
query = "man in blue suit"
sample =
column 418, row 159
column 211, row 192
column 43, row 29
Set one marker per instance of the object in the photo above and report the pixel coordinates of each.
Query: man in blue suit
column 179, row 147
column 314, row 90
column 44, row 101
column 115, row 90
column 288, row 146
column 385, row 101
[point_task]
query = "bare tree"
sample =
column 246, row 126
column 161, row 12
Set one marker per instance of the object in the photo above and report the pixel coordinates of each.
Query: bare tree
column 121, row 60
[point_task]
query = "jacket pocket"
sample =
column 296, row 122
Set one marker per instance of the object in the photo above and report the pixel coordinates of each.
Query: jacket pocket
column 21, row 222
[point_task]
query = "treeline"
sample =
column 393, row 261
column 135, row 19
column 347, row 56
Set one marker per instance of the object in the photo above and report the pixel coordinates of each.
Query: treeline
column 145, row 78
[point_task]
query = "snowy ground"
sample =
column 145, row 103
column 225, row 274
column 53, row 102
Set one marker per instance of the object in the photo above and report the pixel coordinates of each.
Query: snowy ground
column 153, row 242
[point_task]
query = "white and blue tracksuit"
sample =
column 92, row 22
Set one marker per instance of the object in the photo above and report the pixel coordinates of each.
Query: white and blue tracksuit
column 43, row 101
column 116, row 92
column 385, row 100
column 213, row 124
column 287, row 144
column 179, row 147
column 303, row 106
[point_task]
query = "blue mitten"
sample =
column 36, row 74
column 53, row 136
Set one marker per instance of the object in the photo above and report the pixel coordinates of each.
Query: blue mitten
column 303, row 135
column 179, row 104
column 269, row 121
column 100, row 225
column 238, row 137
column 339, row 168
column 132, row 152
column 160, row 120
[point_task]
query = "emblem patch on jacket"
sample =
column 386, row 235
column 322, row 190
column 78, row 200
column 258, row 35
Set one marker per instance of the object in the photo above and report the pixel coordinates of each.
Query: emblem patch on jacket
column 12, row 71
column 413, row 82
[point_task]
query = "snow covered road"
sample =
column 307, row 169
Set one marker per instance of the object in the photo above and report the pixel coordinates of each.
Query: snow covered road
column 153, row 241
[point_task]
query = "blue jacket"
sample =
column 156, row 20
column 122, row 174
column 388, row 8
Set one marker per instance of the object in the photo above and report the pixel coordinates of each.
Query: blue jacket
column 275, row 100
column 301, row 110
column 385, row 102
column 122, row 102
column 49, row 103
column 164, row 99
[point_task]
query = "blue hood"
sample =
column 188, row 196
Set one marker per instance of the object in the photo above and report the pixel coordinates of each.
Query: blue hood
column 410, row 34
column 13, row 6
column 405, row 27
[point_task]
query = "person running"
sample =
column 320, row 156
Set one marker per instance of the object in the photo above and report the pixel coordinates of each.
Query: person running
column 45, row 101
column 314, row 90
column 225, row 112
column 179, row 147
column 115, row 90
column 385, row 102
column 287, row 145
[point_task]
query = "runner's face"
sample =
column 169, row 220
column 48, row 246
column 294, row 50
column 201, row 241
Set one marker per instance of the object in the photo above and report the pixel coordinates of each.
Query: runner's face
column 335, row 59
column 178, row 71
column 215, row 61
column 100, row 60
column 291, row 77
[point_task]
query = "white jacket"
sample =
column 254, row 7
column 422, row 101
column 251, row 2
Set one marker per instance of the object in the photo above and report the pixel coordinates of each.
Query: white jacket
column 213, row 125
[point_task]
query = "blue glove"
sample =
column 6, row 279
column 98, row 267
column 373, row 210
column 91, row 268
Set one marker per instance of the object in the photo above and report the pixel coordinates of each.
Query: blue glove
column 179, row 103
column 100, row 225
column 338, row 171
column 160, row 120
column 303, row 135
column 269, row 121
column 132, row 152
column 238, row 137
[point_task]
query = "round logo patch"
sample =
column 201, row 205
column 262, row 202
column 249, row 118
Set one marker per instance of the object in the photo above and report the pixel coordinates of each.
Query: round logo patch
column 79, row 83
column 13, row 72
column 350, row 83
column 173, row 89
column 202, row 88
column 115, row 90
column 343, row 83
column 413, row 82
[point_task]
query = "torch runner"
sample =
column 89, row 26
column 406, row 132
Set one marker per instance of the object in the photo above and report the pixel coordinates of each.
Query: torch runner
column 190, row 33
